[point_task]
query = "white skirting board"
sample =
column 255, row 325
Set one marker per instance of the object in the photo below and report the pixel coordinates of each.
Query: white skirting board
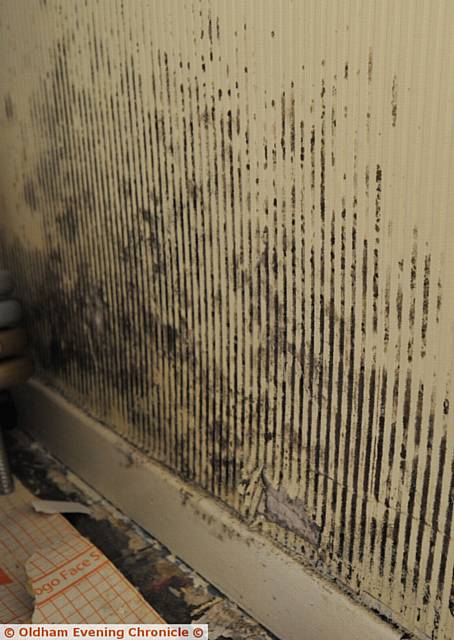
column 283, row 595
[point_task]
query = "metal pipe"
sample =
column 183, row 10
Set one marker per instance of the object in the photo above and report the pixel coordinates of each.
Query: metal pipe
column 14, row 366
column 6, row 478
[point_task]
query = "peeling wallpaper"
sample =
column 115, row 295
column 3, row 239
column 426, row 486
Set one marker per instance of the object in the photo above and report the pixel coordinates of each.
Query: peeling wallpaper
column 231, row 225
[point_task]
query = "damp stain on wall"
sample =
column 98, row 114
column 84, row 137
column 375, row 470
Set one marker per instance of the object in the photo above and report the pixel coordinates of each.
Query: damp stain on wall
column 242, row 264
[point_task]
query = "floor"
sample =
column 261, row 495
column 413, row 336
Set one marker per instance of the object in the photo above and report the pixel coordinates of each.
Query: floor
column 178, row 593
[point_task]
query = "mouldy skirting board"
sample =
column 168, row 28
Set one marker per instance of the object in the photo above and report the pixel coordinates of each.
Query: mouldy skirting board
column 284, row 596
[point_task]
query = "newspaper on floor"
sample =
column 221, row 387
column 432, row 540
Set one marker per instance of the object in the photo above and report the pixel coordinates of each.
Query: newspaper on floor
column 49, row 573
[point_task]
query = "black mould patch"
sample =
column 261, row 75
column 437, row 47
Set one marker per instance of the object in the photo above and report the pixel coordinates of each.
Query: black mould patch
column 30, row 195
column 394, row 102
column 9, row 108
column 68, row 223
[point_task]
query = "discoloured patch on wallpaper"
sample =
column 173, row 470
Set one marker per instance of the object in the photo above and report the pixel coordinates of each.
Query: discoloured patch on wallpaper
column 230, row 223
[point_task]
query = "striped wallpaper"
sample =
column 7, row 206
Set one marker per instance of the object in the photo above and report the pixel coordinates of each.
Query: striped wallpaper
column 231, row 226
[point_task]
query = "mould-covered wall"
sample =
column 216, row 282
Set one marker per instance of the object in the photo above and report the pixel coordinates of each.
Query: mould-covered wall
column 231, row 226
